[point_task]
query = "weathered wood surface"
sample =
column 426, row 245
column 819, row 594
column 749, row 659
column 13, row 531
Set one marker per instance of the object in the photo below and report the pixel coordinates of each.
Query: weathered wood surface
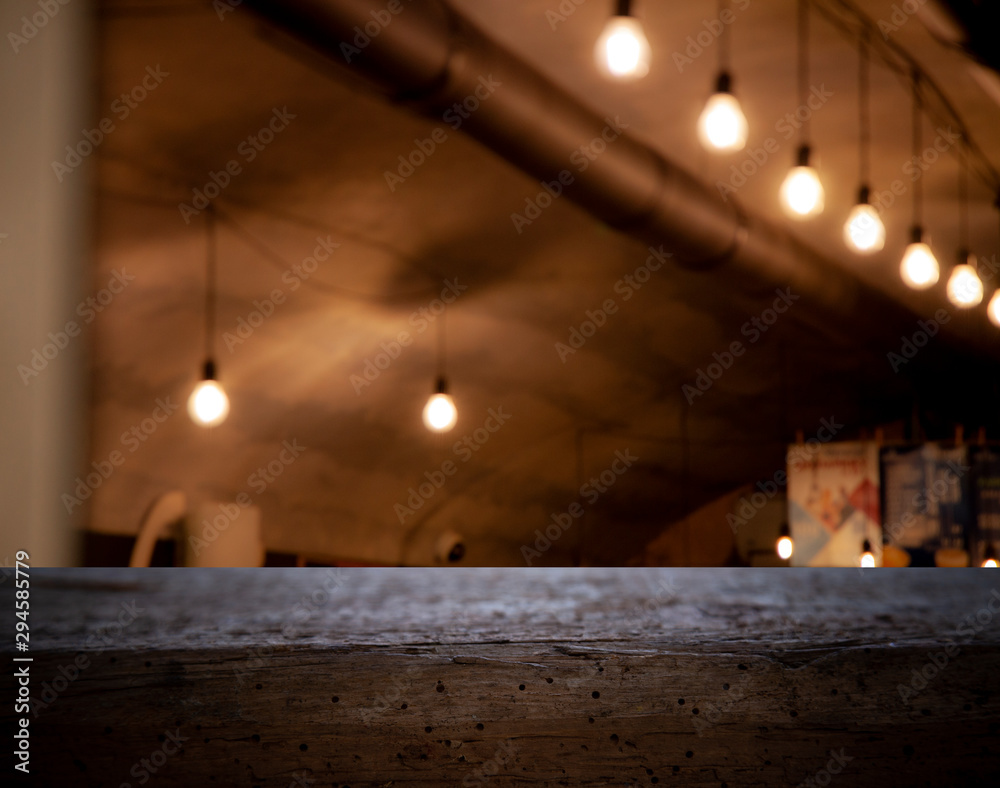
column 516, row 677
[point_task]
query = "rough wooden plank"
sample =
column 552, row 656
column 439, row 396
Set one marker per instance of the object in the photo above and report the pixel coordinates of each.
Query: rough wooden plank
column 522, row 677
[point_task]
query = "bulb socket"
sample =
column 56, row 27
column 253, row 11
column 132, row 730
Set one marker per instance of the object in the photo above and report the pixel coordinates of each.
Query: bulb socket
column 784, row 531
column 208, row 370
column 623, row 7
column 803, row 155
column 991, row 552
column 866, row 546
column 724, row 82
column 916, row 234
column 965, row 257
column 864, row 195
column 441, row 386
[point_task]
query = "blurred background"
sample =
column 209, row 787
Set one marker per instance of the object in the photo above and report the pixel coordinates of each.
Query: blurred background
column 359, row 201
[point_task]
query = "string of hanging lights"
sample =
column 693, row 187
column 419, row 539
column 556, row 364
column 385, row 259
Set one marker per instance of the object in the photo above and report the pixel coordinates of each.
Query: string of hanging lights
column 623, row 53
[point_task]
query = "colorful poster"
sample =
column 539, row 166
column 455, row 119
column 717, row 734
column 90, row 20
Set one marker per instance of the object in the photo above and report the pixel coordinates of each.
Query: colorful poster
column 833, row 502
column 986, row 501
column 928, row 501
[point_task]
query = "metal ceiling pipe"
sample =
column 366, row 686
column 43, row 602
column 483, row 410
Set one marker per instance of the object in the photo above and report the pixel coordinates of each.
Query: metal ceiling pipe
column 424, row 54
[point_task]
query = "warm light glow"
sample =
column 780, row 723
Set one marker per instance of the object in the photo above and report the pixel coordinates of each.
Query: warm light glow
column 208, row 404
column 867, row 560
column 785, row 547
column 919, row 268
column 722, row 125
column 993, row 310
column 990, row 563
column 622, row 50
column 802, row 193
column 965, row 288
column 864, row 231
column 440, row 413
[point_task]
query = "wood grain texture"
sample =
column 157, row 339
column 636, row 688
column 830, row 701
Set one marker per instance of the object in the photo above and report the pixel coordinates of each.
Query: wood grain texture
column 516, row 677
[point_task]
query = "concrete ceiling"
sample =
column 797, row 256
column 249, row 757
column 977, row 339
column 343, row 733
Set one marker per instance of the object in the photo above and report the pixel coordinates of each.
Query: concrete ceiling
column 323, row 177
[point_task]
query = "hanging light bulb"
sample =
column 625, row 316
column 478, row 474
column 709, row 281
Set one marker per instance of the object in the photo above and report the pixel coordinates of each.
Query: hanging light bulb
column 993, row 310
column 864, row 231
column 919, row 268
column 722, row 125
column 622, row 51
column 802, row 192
column 965, row 288
column 440, row 413
column 784, row 546
column 208, row 404
column 867, row 557
column 990, row 557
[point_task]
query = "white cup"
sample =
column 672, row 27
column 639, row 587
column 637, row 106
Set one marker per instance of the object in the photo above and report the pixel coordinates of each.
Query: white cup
column 223, row 534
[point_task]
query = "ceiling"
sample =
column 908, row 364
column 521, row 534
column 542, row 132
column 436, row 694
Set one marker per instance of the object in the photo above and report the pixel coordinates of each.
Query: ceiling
column 323, row 178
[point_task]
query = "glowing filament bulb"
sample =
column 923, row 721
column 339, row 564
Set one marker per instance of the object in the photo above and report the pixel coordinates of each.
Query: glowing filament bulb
column 208, row 404
column 622, row 50
column 919, row 268
column 722, row 125
column 965, row 288
column 440, row 413
column 864, row 231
